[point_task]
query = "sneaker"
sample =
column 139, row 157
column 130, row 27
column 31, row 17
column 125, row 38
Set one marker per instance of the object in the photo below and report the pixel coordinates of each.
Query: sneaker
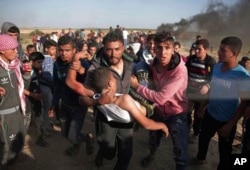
column 99, row 159
column 195, row 161
column 73, row 150
column 90, row 144
column 145, row 162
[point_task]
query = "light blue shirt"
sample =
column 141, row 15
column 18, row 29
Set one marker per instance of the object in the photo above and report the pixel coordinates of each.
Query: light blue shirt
column 225, row 89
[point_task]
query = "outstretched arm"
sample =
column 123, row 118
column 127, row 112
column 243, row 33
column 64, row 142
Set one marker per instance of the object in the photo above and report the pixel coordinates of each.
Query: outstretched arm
column 127, row 103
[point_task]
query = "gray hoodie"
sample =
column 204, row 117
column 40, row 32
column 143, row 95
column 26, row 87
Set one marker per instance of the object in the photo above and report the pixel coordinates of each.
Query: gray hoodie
column 5, row 27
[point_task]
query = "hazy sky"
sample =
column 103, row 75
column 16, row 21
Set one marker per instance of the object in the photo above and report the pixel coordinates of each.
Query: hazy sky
column 100, row 13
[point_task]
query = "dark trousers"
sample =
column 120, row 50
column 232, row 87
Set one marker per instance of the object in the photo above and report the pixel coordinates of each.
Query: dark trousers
column 72, row 119
column 12, row 134
column 115, row 138
column 208, row 129
column 178, row 130
column 246, row 137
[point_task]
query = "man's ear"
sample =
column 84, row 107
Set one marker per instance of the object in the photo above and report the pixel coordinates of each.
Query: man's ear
column 110, row 83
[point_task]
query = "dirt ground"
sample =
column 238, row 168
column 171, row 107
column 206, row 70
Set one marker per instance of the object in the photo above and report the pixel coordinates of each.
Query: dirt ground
column 34, row 157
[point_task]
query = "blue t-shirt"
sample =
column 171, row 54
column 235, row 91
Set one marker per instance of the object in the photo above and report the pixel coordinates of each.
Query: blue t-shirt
column 225, row 89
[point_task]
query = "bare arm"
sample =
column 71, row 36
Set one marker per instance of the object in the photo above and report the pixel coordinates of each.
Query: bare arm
column 127, row 103
column 71, row 77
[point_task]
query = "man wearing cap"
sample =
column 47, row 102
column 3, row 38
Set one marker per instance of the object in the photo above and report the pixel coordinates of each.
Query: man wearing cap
column 12, row 101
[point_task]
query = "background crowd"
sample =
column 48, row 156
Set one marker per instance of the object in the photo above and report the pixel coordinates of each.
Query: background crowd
column 192, row 94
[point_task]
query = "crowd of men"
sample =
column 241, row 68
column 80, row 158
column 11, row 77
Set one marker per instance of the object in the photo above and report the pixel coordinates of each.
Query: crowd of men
column 181, row 95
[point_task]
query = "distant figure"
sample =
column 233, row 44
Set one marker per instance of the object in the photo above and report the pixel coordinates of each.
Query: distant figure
column 245, row 62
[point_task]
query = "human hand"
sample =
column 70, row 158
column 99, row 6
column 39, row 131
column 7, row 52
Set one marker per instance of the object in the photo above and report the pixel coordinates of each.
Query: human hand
column 165, row 130
column 134, row 82
column 81, row 55
column 2, row 91
column 204, row 89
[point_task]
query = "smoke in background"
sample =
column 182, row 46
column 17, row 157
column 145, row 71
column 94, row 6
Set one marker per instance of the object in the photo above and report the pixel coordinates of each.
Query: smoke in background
column 215, row 23
column 220, row 19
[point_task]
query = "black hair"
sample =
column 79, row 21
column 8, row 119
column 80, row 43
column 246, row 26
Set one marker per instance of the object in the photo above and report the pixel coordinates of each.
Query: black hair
column 113, row 36
column 203, row 42
column 66, row 39
column 14, row 29
column 29, row 46
column 98, row 79
column 150, row 37
column 234, row 43
column 36, row 56
column 163, row 36
column 177, row 43
column 93, row 44
column 49, row 43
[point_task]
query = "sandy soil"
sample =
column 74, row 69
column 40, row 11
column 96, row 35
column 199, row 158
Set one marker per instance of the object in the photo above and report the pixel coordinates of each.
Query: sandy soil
column 35, row 157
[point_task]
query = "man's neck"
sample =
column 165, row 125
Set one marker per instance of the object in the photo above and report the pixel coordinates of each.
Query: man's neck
column 118, row 67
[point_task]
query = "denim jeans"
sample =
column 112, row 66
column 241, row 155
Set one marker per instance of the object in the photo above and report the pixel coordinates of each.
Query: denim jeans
column 209, row 127
column 72, row 119
column 178, row 129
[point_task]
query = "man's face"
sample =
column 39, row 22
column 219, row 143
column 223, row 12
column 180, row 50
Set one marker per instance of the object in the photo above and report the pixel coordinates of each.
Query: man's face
column 225, row 53
column 37, row 64
column 51, row 51
column 113, row 51
column 9, row 55
column 92, row 51
column 66, row 52
column 151, row 47
column 14, row 35
column 30, row 50
column 164, row 52
column 200, row 52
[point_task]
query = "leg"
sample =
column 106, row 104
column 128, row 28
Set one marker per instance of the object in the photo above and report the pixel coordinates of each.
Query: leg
column 208, row 129
column 178, row 127
column 246, row 137
column 125, row 147
column 65, row 119
column 189, row 114
column 154, row 142
column 106, row 138
column 225, row 149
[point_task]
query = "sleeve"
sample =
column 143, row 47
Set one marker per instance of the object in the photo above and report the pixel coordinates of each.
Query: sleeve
column 169, row 89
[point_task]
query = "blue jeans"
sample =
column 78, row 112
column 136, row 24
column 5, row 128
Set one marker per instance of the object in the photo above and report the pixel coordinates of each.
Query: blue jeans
column 72, row 119
column 178, row 129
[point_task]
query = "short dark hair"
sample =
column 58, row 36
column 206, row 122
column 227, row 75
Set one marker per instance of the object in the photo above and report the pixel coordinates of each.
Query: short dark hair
column 29, row 46
column 203, row 42
column 163, row 36
column 49, row 43
column 66, row 39
column 113, row 36
column 98, row 79
column 93, row 44
column 234, row 43
column 14, row 29
column 177, row 43
column 150, row 37
column 36, row 56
